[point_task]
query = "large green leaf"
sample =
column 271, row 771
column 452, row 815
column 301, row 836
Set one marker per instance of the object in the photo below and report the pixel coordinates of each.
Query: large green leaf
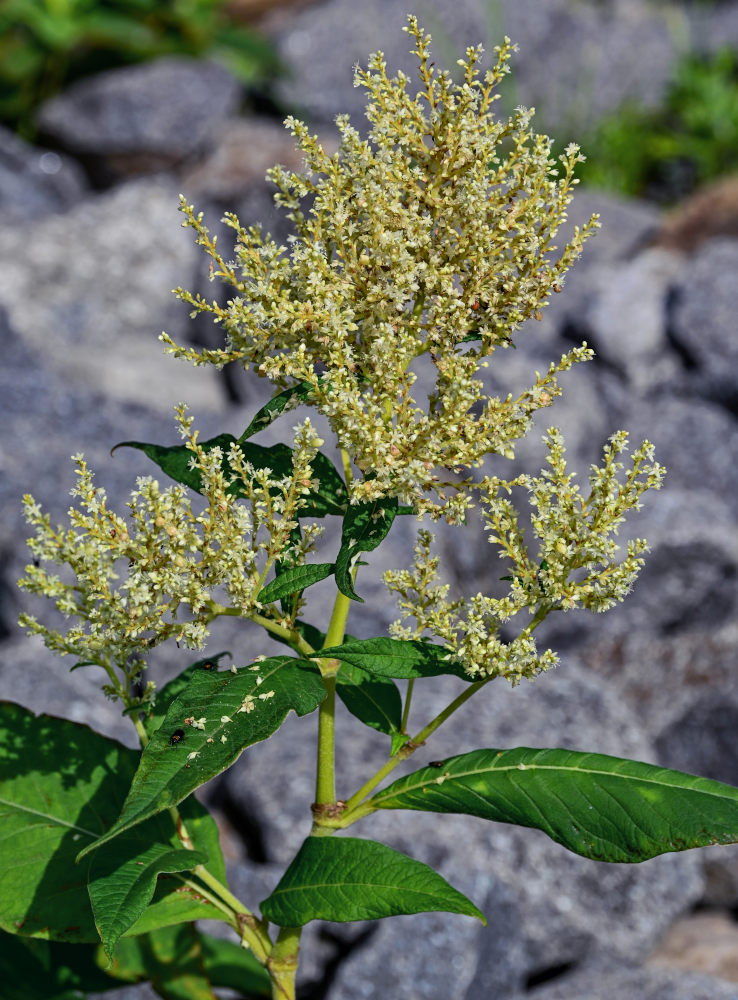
column 329, row 497
column 364, row 527
column 175, row 687
column 32, row 969
column 123, row 879
column 61, row 786
column 344, row 878
column 209, row 725
column 293, row 579
column 374, row 701
column 604, row 808
column 400, row 658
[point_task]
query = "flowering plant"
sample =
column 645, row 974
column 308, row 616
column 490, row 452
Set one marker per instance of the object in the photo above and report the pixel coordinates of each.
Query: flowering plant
column 430, row 243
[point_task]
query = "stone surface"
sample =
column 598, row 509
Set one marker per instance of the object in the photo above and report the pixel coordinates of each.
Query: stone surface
column 35, row 182
column 702, row 942
column 594, row 52
column 622, row 982
column 99, row 293
column 145, row 116
column 703, row 320
column 627, row 318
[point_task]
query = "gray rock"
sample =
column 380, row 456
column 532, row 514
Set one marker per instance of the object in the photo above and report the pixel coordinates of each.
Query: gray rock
column 143, row 117
column 98, row 294
column 692, row 438
column 35, row 182
column 623, row 982
column 702, row 740
column 627, row 317
column 590, row 66
column 703, row 320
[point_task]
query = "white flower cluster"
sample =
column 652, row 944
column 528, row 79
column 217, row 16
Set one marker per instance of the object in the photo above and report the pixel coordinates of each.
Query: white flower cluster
column 155, row 575
column 432, row 237
column 575, row 565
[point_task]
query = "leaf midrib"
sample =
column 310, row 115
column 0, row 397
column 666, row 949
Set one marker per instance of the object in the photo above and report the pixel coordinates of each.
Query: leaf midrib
column 546, row 767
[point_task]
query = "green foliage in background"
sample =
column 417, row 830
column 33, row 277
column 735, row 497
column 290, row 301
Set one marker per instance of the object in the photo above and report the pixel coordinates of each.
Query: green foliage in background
column 46, row 44
column 666, row 152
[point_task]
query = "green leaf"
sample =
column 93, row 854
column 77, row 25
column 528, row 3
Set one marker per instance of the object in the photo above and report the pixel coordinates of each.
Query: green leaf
column 175, row 687
column 237, row 709
column 61, row 786
column 376, row 703
column 123, row 880
column 287, row 399
column 329, row 498
column 32, row 969
column 171, row 959
column 292, row 579
column 224, row 964
column 601, row 807
column 400, row 658
column 365, row 525
column 229, row 966
column 344, row 878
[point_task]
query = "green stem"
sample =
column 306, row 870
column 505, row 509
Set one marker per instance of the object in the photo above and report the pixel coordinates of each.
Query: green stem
column 252, row 931
column 325, row 782
column 406, row 710
column 283, row 961
column 242, row 919
column 354, row 810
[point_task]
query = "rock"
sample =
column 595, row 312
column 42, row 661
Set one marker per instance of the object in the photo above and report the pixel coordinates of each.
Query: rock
column 243, row 150
column 35, row 182
column 702, row 740
column 702, row 942
column 618, row 982
column 98, row 294
column 691, row 437
column 703, row 321
column 627, row 317
column 448, row 962
column 710, row 212
column 589, row 52
column 144, row 117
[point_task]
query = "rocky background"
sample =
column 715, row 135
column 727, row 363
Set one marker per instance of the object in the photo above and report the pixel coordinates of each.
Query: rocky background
column 90, row 247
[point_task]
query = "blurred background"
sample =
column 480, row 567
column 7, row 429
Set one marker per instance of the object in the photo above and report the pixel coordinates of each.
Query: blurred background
column 107, row 111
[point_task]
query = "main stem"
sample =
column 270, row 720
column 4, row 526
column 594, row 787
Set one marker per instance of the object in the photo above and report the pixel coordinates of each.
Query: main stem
column 282, row 963
column 325, row 784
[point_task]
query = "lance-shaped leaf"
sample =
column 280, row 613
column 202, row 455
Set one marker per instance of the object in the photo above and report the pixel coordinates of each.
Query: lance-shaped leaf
column 123, row 879
column 604, row 808
column 175, row 687
column 374, row 701
column 344, row 878
column 285, row 400
column 364, row 527
column 329, row 497
column 209, row 725
column 292, row 579
column 400, row 658
column 61, row 786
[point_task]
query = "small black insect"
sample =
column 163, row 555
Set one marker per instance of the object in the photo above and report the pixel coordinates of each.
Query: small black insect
column 209, row 665
column 176, row 737
column 436, row 763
